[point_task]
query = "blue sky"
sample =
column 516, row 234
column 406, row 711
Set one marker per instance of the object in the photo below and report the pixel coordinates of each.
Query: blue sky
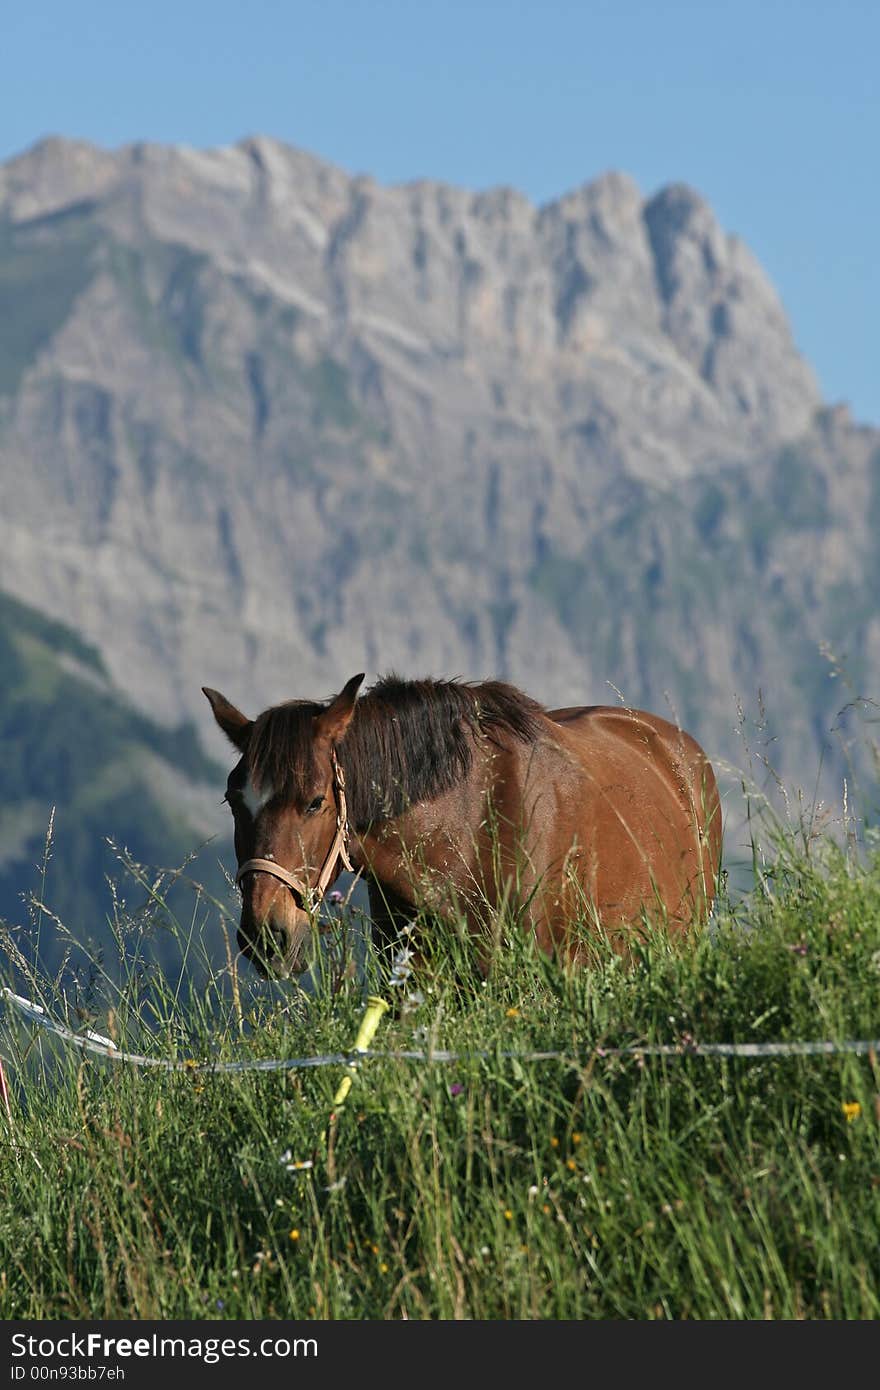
column 770, row 109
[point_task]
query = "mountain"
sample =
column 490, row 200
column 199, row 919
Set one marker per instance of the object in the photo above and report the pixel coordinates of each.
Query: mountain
column 77, row 757
column 264, row 424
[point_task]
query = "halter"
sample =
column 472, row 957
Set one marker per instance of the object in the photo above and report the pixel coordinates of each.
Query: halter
column 338, row 850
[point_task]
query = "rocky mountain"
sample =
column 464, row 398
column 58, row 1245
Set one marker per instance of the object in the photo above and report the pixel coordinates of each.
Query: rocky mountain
column 264, row 424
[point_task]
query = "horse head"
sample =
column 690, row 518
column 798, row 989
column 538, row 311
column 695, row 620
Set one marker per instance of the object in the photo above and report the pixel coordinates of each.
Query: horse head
column 287, row 797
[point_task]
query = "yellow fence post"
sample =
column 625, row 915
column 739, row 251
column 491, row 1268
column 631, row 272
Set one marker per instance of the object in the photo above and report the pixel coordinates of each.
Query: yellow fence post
column 376, row 1007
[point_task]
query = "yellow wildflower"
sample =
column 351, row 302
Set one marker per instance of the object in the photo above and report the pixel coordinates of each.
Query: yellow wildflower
column 851, row 1109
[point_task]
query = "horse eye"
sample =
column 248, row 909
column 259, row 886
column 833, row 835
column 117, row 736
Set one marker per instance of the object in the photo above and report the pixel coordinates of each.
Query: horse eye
column 315, row 805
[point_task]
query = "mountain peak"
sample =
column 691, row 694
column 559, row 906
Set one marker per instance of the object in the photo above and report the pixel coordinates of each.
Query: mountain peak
column 243, row 373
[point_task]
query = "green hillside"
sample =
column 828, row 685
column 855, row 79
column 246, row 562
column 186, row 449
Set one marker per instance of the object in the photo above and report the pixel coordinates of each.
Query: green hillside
column 68, row 740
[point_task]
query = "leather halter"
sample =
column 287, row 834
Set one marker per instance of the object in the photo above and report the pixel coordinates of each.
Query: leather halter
column 338, row 850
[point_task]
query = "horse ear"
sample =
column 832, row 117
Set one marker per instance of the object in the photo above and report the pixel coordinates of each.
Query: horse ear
column 235, row 725
column 332, row 722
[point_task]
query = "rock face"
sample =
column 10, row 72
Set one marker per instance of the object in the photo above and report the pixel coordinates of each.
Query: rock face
column 263, row 425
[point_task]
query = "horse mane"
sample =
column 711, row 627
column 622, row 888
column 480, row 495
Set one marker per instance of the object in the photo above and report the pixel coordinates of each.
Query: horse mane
column 408, row 741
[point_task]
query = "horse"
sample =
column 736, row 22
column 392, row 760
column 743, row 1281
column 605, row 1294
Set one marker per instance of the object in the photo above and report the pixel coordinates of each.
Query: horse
column 452, row 796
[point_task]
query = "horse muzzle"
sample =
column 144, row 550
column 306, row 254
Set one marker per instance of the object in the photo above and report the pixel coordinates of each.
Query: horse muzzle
column 274, row 935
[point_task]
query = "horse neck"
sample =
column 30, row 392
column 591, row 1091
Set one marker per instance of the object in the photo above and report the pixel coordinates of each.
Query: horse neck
column 444, row 833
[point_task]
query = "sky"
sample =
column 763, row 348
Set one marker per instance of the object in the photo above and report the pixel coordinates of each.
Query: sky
column 769, row 108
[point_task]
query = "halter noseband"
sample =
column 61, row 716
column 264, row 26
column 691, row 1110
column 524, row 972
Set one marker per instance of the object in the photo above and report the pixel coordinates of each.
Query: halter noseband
column 338, row 850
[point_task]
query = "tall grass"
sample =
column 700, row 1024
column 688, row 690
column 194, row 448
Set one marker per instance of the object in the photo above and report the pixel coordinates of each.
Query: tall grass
column 583, row 1186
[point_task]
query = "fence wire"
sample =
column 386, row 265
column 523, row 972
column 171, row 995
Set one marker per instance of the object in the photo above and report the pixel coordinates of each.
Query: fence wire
column 98, row 1045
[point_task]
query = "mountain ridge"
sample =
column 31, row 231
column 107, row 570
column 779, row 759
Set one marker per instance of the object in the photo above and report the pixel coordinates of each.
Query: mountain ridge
column 264, row 423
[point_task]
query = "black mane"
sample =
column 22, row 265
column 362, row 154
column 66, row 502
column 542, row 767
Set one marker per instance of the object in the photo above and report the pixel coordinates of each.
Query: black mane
column 408, row 741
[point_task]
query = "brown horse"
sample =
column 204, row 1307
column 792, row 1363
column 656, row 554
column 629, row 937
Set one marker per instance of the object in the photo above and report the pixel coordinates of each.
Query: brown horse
column 450, row 795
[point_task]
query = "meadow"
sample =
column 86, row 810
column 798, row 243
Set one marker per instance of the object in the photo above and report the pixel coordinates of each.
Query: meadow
column 591, row 1184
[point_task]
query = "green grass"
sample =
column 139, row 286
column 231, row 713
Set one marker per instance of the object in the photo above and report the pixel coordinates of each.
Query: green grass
column 587, row 1187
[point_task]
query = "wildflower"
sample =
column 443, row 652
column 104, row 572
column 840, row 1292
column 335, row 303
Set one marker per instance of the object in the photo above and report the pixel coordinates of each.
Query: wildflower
column 545, row 1209
column 851, row 1109
column 335, row 897
column 402, row 965
column 456, row 1088
column 571, row 1165
column 576, row 1138
column 294, row 1235
column 513, row 1013
column 533, row 1192
column 554, row 1142
column 383, row 1268
column 294, row 1165
column 508, row 1214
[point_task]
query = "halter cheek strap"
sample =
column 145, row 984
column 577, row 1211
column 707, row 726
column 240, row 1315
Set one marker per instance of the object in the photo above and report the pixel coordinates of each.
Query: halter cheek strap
column 338, row 851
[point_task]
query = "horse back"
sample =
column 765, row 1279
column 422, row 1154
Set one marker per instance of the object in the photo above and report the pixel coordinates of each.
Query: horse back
column 650, row 776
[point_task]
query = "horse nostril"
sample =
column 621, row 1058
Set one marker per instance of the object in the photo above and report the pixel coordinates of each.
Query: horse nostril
column 266, row 939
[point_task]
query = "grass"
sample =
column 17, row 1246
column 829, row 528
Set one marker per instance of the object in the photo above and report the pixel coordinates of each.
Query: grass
column 583, row 1187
